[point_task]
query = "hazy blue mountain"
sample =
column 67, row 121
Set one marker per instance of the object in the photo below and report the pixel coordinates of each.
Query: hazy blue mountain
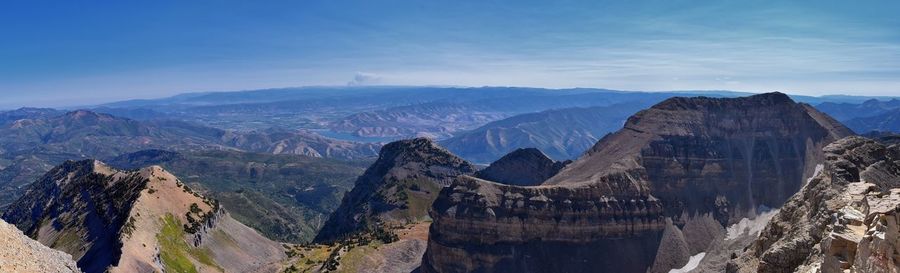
column 886, row 121
column 383, row 113
column 28, row 113
column 845, row 111
column 561, row 134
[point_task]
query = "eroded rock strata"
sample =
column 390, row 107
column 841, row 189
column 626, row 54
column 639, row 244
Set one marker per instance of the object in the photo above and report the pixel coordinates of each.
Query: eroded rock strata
column 846, row 219
column 683, row 160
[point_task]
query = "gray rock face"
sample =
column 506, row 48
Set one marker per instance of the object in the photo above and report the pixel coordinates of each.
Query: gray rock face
column 86, row 207
column 682, row 160
column 522, row 167
column 398, row 188
column 844, row 219
column 21, row 254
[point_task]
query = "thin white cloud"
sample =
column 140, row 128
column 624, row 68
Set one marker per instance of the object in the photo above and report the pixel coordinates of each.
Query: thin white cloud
column 362, row 78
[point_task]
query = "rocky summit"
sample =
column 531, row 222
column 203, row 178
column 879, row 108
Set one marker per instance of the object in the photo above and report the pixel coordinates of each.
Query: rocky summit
column 643, row 199
column 523, row 167
column 846, row 219
column 145, row 220
column 397, row 189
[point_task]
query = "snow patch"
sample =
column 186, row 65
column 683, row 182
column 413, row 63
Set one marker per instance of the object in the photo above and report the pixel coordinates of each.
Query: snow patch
column 692, row 264
column 816, row 172
column 750, row 227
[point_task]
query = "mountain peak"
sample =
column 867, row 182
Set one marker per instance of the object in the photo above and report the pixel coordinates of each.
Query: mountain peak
column 87, row 116
column 417, row 150
column 122, row 221
column 693, row 103
column 407, row 174
column 81, row 113
column 523, row 167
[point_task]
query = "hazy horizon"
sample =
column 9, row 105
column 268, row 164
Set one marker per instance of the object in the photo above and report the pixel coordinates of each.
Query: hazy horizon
column 94, row 102
column 73, row 53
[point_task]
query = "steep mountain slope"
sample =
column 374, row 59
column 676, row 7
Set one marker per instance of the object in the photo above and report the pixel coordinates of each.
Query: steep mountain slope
column 21, row 254
column 562, row 134
column 30, row 147
column 522, row 167
column 888, row 121
column 846, row 219
column 643, row 199
column 138, row 221
column 397, row 189
column 285, row 197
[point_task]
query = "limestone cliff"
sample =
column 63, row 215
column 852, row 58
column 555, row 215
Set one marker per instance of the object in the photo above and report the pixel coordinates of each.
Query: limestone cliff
column 136, row 221
column 683, row 160
column 397, row 189
column 846, row 219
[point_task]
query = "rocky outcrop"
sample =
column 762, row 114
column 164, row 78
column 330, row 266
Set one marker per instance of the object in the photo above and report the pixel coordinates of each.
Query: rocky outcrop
column 21, row 254
column 683, row 160
column 522, row 167
column 136, row 221
column 844, row 220
column 397, row 189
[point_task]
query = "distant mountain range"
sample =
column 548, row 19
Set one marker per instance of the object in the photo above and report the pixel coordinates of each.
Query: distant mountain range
column 887, row 121
column 870, row 115
column 32, row 145
column 379, row 113
column 848, row 111
column 561, row 134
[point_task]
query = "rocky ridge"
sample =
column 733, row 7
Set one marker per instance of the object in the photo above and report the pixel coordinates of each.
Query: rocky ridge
column 136, row 221
column 846, row 219
column 704, row 161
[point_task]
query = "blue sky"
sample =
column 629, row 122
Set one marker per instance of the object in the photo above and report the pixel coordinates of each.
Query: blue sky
column 78, row 52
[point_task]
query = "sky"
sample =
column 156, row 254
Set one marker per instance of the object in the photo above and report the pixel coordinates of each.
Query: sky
column 57, row 53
